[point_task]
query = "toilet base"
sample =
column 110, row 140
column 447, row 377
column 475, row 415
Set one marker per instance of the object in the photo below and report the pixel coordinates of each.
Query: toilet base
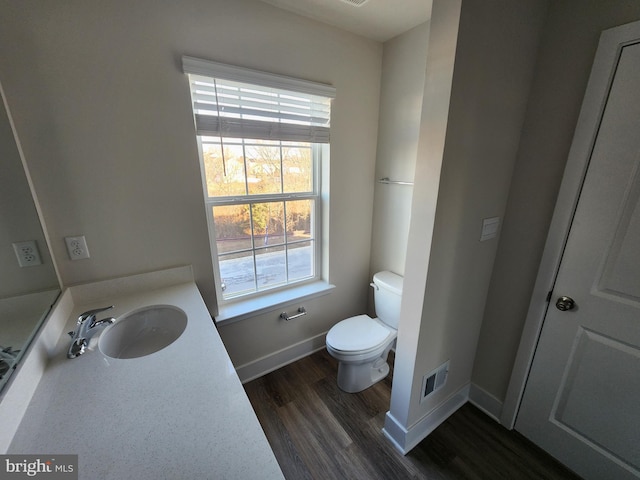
column 353, row 378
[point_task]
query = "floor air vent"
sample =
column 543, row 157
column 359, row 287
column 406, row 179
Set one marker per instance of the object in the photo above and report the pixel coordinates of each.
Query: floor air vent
column 434, row 380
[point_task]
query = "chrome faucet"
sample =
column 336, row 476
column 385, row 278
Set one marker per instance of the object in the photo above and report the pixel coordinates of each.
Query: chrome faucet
column 86, row 327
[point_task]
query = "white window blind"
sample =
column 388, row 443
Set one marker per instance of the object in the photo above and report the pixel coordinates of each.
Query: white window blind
column 261, row 106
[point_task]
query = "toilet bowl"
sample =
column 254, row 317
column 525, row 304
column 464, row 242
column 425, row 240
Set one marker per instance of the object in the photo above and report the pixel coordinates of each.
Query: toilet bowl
column 361, row 344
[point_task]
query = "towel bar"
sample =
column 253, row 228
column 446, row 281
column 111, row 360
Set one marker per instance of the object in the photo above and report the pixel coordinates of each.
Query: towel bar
column 394, row 182
column 301, row 312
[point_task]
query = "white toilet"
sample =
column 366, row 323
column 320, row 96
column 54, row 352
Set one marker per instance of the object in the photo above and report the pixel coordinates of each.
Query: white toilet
column 361, row 344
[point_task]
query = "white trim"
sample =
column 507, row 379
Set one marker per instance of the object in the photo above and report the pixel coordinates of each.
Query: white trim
column 611, row 43
column 240, row 74
column 270, row 301
column 405, row 439
column 486, row 402
column 267, row 364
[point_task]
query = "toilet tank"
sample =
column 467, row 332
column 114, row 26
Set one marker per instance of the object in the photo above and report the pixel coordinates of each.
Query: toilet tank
column 387, row 295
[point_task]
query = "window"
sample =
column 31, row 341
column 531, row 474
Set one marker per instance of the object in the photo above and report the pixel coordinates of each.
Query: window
column 262, row 138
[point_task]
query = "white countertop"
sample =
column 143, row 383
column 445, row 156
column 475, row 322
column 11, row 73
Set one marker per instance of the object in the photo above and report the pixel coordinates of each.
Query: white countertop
column 179, row 413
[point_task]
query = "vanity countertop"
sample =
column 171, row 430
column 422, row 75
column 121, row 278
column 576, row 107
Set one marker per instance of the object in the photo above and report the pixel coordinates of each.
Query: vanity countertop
column 179, row 413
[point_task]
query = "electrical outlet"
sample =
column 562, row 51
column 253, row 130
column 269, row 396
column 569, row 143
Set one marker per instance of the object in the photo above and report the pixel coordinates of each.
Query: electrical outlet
column 77, row 247
column 27, row 253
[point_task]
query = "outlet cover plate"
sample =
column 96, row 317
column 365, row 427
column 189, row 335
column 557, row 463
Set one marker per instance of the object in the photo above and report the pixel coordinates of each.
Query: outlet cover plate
column 77, row 247
column 27, row 253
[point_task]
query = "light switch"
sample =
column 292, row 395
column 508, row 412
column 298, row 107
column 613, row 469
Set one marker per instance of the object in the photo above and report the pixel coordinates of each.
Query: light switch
column 490, row 228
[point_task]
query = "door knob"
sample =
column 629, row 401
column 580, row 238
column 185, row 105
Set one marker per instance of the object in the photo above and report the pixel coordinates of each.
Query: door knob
column 565, row 303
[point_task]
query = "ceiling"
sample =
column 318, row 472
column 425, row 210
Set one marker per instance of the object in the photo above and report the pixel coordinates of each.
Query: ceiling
column 379, row 20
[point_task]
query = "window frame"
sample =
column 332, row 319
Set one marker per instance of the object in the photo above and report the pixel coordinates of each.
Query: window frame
column 243, row 304
column 318, row 151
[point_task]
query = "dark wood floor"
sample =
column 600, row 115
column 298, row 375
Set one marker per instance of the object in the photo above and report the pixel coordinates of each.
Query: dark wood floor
column 319, row 432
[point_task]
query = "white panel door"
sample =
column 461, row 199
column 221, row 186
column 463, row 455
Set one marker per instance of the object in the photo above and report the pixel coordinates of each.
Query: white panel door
column 582, row 398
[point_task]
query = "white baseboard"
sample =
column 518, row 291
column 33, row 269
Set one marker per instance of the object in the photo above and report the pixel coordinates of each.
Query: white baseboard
column 405, row 439
column 486, row 402
column 257, row 368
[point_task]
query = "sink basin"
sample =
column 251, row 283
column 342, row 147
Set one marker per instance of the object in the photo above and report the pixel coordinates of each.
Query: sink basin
column 143, row 332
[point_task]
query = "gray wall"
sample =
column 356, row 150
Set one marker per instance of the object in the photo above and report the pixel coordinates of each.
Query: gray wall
column 495, row 52
column 104, row 115
column 569, row 41
column 19, row 222
column 403, row 72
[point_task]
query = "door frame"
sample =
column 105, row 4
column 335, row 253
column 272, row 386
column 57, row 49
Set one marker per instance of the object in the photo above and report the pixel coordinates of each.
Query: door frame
column 606, row 60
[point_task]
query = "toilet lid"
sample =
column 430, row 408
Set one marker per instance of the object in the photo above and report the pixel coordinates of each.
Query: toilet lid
column 356, row 334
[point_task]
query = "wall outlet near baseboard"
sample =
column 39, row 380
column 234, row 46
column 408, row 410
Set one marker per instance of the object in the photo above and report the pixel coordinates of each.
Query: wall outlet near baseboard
column 434, row 380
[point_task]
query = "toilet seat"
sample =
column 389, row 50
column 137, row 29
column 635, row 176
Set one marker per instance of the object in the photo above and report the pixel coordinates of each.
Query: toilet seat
column 361, row 344
column 359, row 335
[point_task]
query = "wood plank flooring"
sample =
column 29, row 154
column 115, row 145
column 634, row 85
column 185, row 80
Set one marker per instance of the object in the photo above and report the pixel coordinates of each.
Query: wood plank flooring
column 319, row 432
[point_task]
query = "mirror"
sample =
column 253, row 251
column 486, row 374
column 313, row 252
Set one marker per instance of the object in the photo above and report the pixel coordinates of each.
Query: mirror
column 26, row 292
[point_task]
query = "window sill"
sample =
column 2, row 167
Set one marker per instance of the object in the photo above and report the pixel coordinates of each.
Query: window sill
column 243, row 309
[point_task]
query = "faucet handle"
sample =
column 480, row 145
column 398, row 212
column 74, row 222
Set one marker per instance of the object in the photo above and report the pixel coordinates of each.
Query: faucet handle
column 92, row 313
